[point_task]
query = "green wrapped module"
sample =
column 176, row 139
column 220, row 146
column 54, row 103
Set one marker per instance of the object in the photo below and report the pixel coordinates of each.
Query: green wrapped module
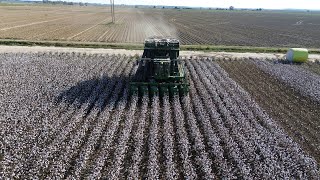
column 298, row 55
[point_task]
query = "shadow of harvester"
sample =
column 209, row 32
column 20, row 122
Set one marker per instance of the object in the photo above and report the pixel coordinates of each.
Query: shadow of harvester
column 97, row 92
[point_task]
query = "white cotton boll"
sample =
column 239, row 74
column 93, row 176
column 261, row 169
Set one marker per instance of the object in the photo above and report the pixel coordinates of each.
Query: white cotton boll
column 68, row 115
column 307, row 83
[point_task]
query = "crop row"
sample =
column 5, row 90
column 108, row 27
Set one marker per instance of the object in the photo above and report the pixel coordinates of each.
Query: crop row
column 70, row 116
column 294, row 111
column 306, row 82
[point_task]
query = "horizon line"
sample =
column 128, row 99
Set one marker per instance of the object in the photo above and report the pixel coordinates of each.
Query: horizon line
column 205, row 7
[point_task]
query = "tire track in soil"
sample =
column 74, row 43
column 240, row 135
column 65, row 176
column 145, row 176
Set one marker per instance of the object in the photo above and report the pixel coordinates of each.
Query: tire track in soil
column 282, row 103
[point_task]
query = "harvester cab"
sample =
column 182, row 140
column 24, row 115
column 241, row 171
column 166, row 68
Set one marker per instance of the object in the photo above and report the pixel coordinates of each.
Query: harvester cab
column 159, row 69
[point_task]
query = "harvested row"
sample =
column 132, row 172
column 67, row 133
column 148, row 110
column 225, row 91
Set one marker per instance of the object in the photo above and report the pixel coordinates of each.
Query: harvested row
column 70, row 116
column 297, row 114
column 306, row 82
column 247, row 141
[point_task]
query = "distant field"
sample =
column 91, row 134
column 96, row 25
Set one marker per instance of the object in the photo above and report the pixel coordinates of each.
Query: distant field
column 92, row 24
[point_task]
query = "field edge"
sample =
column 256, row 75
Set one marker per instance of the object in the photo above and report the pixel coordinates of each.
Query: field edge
column 131, row 46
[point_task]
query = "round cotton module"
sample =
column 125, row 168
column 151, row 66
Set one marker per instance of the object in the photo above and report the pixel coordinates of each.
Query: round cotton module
column 299, row 55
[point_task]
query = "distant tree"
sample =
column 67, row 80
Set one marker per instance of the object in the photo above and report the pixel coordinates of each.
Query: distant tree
column 176, row 7
column 154, row 7
column 136, row 6
column 231, row 8
column 163, row 7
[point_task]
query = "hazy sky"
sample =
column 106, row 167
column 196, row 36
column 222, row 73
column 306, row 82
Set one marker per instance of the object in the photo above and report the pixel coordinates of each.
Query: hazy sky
column 267, row 4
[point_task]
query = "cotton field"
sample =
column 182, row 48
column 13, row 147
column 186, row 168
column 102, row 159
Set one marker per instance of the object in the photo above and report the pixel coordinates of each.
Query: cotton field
column 70, row 116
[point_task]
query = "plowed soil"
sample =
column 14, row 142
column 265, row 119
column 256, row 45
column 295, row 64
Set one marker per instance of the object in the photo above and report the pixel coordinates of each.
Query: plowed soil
column 298, row 115
column 133, row 25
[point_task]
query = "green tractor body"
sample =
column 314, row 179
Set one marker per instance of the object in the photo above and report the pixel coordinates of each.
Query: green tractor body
column 159, row 70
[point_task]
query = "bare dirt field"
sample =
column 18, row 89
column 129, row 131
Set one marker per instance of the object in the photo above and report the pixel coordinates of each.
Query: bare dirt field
column 68, row 115
column 211, row 27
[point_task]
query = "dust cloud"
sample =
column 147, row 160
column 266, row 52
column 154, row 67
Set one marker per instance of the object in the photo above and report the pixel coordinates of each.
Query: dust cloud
column 154, row 23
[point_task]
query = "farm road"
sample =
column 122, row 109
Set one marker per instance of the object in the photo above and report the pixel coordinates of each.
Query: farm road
column 24, row 49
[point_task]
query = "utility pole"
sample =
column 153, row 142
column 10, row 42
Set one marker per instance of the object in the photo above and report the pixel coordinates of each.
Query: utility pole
column 112, row 11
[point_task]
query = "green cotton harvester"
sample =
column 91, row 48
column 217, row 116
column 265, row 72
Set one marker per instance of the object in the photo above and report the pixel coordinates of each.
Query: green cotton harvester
column 160, row 71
